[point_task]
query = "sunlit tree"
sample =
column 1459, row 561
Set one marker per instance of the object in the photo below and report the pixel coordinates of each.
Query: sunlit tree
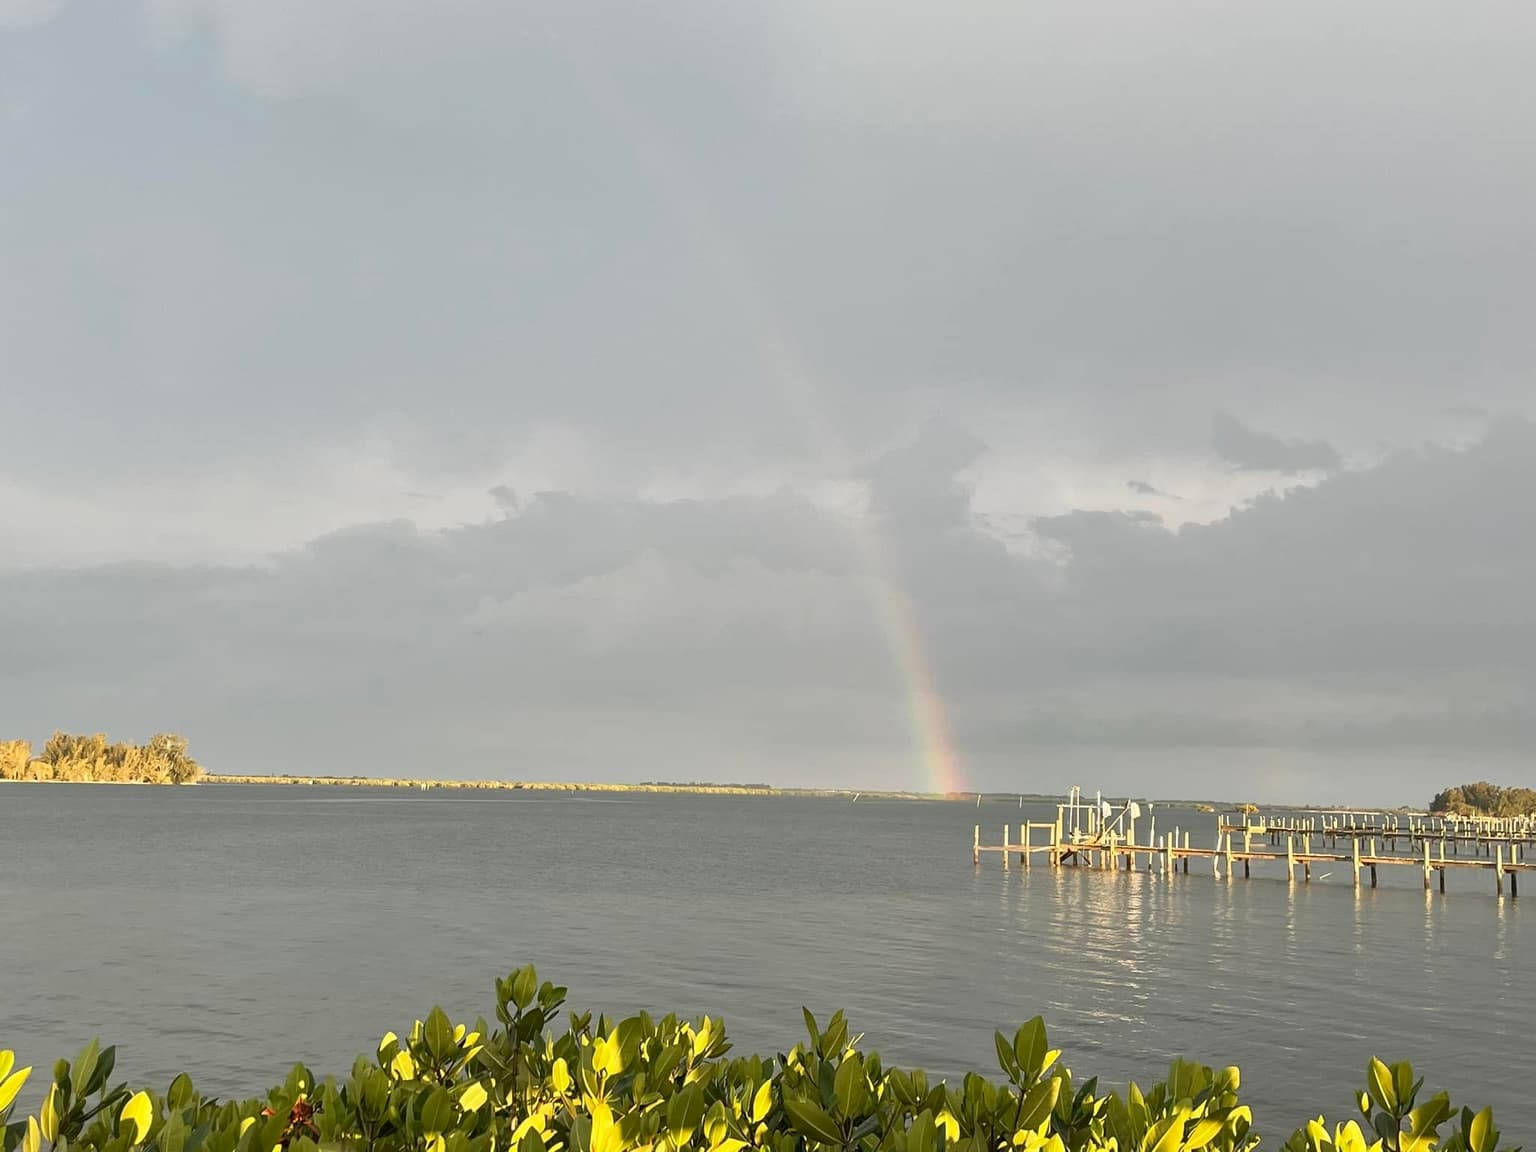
column 164, row 760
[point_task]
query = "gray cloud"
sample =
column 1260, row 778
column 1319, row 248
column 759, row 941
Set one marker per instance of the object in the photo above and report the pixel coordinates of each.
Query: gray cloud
column 1242, row 447
column 580, row 638
column 443, row 229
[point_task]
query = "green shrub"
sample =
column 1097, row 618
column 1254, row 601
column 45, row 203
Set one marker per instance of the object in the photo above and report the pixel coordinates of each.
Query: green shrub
column 646, row 1085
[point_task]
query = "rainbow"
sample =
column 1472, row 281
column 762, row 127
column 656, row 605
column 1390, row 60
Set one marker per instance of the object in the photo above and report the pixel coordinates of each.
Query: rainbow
column 938, row 758
column 931, row 737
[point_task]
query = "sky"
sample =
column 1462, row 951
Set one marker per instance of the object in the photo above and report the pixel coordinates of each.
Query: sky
column 877, row 395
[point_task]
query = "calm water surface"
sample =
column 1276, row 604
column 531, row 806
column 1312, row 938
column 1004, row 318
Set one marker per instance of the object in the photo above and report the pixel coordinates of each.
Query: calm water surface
column 231, row 930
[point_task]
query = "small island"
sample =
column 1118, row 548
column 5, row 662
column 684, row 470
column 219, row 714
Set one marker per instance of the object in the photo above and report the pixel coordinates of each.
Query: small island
column 92, row 759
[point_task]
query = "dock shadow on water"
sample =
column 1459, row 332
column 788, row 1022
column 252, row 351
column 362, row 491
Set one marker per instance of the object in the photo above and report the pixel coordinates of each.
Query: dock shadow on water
column 232, row 930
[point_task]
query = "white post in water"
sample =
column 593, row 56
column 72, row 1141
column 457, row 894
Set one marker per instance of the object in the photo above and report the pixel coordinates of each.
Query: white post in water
column 1005, row 846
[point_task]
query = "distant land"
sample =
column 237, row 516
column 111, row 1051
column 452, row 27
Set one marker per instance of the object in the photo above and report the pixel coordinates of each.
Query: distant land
column 164, row 759
column 710, row 789
column 649, row 786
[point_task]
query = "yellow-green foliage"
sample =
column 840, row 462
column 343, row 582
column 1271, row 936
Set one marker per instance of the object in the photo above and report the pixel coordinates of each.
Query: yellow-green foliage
column 15, row 756
column 163, row 760
column 1485, row 799
column 646, row 1085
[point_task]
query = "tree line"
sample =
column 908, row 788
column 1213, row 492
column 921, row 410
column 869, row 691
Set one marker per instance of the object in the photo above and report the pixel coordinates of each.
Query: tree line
column 163, row 760
column 1485, row 799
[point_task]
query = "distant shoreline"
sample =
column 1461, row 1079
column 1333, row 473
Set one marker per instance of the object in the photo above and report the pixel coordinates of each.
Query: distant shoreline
column 683, row 789
column 563, row 786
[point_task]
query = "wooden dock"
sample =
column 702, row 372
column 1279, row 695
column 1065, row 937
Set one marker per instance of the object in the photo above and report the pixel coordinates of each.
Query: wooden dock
column 1095, row 836
column 1458, row 835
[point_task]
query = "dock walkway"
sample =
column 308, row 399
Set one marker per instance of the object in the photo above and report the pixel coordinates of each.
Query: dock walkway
column 1094, row 836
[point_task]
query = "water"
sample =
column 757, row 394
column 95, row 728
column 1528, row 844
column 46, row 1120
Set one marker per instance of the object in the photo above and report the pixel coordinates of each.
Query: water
column 232, row 930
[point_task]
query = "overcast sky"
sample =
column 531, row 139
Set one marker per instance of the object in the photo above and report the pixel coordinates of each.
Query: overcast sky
column 617, row 391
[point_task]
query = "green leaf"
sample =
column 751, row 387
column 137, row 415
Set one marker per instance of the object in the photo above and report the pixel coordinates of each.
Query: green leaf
column 525, row 985
column 810, row 1026
column 810, row 1119
column 684, row 1112
column 1039, row 1102
column 835, row 1037
column 84, row 1067
column 717, row 1123
column 923, row 1135
column 104, row 1067
column 1386, row 1126
column 137, row 1115
column 1428, row 1116
column 1481, row 1134
column 1403, row 1086
column 1030, row 1047
column 473, row 1096
column 48, row 1115
column 181, row 1092
column 848, row 1087
column 1165, row 1135
column 1202, row 1134
column 437, row 1111
column 1378, row 1082
column 1005, row 1057
column 10, row 1086
column 606, row 1136
column 438, row 1034
column 762, row 1102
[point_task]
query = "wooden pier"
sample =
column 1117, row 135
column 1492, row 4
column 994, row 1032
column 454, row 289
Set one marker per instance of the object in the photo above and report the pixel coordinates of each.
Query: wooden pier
column 1459, row 835
column 1096, row 836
